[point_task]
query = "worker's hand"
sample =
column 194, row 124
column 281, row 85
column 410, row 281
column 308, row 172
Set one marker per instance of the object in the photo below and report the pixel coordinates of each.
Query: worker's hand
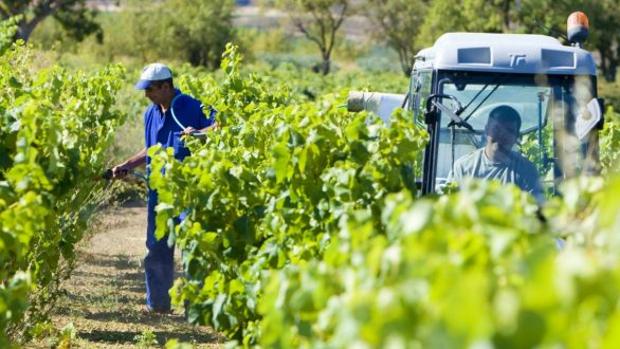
column 189, row 130
column 120, row 171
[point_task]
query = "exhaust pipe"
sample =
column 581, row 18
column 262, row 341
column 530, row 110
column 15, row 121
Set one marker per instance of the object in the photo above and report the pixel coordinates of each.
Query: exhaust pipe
column 378, row 103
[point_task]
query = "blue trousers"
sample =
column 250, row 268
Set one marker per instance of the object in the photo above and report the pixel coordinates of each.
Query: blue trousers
column 158, row 263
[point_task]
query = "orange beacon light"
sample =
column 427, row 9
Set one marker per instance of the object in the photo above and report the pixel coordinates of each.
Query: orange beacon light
column 577, row 27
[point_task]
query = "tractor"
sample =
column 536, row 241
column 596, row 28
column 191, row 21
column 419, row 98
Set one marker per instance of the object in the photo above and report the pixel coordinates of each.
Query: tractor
column 458, row 82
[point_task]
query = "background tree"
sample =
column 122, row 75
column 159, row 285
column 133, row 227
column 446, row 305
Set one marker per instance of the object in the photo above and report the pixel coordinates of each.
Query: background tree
column 489, row 16
column 197, row 30
column 192, row 31
column 73, row 15
column 398, row 22
column 319, row 21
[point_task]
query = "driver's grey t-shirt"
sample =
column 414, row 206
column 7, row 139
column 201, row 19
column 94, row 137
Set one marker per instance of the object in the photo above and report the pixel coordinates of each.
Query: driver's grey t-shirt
column 517, row 170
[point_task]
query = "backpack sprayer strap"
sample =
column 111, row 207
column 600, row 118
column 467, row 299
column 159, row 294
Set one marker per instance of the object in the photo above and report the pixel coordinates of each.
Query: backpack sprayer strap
column 174, row 116
column 212, row 112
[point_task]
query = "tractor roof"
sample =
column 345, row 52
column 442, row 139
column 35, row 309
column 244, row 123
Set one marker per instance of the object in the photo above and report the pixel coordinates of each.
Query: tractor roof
column 506, row 53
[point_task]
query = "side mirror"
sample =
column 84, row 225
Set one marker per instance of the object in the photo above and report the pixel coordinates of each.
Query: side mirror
column 589, row 118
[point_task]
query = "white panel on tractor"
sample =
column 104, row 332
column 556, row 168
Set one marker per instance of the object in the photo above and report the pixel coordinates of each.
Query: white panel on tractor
column 509, row 53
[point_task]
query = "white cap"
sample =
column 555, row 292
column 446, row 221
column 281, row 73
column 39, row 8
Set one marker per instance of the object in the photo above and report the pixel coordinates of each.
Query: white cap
column 153, row 72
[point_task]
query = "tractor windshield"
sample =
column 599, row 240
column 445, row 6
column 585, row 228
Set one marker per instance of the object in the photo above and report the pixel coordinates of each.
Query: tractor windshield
column 511, row 128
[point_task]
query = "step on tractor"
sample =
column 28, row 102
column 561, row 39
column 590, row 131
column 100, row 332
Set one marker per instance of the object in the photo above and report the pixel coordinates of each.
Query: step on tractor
column 459, row 85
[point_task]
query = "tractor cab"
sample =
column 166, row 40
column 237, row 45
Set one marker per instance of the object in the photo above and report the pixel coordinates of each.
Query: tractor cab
column 466, row 79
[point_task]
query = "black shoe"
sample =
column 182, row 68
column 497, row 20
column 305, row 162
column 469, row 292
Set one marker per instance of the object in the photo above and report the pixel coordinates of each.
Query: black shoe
column 150, row 310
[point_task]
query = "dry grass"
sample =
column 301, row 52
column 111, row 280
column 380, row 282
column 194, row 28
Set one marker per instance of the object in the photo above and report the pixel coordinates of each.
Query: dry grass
column 105, row 296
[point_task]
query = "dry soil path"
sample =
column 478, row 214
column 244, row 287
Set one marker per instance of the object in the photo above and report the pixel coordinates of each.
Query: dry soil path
column 105, row 295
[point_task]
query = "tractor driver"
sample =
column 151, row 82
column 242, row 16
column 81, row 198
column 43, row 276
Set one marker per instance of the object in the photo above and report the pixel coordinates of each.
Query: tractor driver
column 497, row 160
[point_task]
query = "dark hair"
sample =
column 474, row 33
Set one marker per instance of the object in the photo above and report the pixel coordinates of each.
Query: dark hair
column 160, row 83
column 505, row 114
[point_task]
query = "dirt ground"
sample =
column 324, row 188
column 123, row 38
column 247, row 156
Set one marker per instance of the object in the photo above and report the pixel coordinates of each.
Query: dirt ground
column 105, row 296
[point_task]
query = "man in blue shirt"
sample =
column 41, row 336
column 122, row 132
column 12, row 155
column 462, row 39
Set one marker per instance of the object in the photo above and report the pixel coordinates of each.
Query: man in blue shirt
column 170, row 116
